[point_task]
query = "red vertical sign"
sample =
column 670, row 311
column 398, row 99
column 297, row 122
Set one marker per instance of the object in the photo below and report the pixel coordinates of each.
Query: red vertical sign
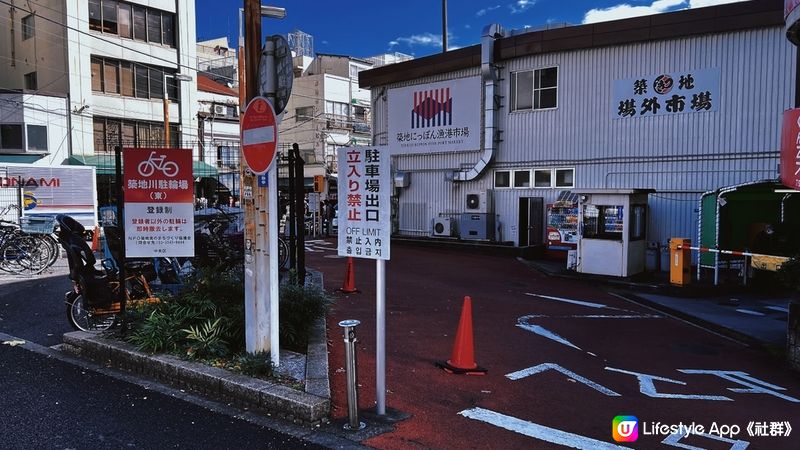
column 790, row 149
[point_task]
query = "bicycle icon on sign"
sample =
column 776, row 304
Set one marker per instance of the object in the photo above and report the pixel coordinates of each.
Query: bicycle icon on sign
column 150, row 165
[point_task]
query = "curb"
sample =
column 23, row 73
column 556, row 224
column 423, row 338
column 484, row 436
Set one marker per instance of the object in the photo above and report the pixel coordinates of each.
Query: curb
column 241, row 390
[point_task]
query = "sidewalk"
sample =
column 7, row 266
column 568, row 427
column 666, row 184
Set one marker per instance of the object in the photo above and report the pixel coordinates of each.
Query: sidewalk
column 742, row 312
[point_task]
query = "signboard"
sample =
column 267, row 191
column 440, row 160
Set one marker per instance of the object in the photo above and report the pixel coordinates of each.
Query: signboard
column 790, row 149
column 666, row 94
column 365, row 185
column 789, row 6
column 159, row 202
column 283, row 71
column 435, row 117
column 259, row 135
column 791, row 16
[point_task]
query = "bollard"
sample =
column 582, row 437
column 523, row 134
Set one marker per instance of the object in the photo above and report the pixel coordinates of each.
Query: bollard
column 352, row 379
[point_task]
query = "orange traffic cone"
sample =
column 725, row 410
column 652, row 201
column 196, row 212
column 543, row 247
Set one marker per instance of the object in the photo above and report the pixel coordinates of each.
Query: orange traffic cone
column 463, row 359
column 349, row 286
column 96, row 239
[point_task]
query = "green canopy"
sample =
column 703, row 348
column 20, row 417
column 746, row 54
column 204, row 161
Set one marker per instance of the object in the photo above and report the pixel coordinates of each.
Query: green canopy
column 104, row 165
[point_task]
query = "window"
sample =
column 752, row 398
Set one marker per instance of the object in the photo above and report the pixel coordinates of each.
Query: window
column 124, row 17
column 27, row 27
column 97, row 74
column 638, row 222
column 154, row 26
column 134, row 134
column 99, row 135
column 11, row 136
column 542, row 178
column 111, row 77
column 31, row 83
column 565, row 178
column 602, row 222
column 140, row 23
column 128, row 134
column 534, row 89
column 156, row 83
column 95, row 22
column 168, row 31
column 303, row 113
column 37, row 138
column 110, row 16
column 126, row 79
column 522, row 178
column 502, row 179
column 141, row 80
column 172, row 87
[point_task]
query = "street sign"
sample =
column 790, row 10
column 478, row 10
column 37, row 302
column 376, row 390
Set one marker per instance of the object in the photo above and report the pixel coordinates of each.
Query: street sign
column 283, row 72
column 259, row 135
column 159, row 206
column 790, row 149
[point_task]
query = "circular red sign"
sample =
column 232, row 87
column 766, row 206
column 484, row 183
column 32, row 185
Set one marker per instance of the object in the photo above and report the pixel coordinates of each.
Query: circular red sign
column 259, row 135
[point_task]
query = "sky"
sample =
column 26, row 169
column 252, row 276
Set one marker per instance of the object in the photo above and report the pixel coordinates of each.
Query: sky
column 363, row 28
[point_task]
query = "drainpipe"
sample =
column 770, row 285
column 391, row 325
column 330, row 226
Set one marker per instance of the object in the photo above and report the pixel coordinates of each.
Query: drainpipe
column 490, row 76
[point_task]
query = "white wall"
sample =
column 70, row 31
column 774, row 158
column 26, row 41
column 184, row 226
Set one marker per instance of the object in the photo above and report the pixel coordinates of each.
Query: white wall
column 43, row 110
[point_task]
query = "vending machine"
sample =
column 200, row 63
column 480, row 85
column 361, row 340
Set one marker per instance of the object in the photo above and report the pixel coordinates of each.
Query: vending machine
column 562, row 225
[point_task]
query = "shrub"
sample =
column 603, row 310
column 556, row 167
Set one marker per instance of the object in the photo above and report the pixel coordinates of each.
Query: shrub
column 789, row 274
column 255, row 364
column 300, row 306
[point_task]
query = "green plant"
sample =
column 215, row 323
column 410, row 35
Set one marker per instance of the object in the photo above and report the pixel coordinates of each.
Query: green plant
column 156, row 332
column 789, row 274
column 205, row 341
column 300, row 306
column 255, row 364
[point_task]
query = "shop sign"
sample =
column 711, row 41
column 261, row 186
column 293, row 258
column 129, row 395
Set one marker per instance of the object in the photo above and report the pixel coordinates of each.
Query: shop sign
column 159, row 202
column 365, row 224
column 435, row 117
column 790, row 149
column 789, row 6
column 665, row 94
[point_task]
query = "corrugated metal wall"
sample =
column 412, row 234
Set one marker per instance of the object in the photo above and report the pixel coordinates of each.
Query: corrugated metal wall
column 680, row 156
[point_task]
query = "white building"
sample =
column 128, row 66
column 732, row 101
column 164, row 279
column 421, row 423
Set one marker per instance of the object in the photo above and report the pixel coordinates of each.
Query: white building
column 33, row 128
column 218, row 128
column 218, row 60
column 683, row 103
column 111, row 58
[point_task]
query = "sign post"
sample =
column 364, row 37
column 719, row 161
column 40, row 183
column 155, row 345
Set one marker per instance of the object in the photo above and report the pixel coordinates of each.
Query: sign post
column 159, row 208
column 790, row 149
column 365, row 228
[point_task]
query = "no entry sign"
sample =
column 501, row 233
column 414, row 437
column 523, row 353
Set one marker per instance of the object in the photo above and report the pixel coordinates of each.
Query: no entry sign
column 259, row 135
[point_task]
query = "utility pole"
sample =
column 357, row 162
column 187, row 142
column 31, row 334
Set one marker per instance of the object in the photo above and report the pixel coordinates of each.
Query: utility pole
column 444, row 26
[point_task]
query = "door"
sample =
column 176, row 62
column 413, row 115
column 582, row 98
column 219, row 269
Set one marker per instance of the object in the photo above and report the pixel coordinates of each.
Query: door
column 531, row 221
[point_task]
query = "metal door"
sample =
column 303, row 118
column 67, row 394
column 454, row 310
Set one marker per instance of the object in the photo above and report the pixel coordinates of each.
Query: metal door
column 531, row 221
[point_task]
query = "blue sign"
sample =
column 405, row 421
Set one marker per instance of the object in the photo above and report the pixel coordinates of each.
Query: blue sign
column 262, row 180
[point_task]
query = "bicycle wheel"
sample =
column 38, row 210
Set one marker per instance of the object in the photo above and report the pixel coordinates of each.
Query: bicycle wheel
column 82, row 319
column 13, row 256
column 31, row 252
column 283, row 253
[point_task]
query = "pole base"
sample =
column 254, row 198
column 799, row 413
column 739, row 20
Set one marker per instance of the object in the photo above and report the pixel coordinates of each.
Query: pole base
column 449, row 368
column 361, row 426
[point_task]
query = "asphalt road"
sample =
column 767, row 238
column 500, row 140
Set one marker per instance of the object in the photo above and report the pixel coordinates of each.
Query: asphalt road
column 564, row 358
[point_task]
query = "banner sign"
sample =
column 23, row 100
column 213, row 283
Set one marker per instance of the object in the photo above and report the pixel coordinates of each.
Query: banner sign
column 435, row 117
column 159, row 202
column 790, row 149
column 365, row 184
column 665, row 94
column 789, row 6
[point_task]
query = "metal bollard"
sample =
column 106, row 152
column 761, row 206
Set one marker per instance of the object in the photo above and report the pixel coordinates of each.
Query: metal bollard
column 350, row 340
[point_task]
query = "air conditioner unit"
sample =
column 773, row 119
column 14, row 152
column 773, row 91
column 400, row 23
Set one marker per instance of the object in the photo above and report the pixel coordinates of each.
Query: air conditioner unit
column 442, row 226
column 220, row 110
column 479, row 202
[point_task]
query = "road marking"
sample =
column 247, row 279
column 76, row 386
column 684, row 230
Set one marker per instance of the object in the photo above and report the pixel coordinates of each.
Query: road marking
column 755, row 385
column 648, row 387
column 541, row 331
column 536, row 431
column 778, row 308
column 520, row 374
column 569, row 300
column 674, row 440
column 750, row 312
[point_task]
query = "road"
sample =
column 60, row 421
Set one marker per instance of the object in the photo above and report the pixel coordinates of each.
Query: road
column 564, row 358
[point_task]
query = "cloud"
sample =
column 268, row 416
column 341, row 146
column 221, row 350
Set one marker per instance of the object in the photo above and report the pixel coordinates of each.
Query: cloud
column 324, row 42
column 520, row 6
column 422, row 40
column 624, row 10
column 482, row 12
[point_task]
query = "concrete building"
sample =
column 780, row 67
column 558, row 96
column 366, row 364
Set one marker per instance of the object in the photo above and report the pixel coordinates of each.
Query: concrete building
column 218, row 61
column 681, row 103
column 34, row 128
column 218, row 128
column 112, row 60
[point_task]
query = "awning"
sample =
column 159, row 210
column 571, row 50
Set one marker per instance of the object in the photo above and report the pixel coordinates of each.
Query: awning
column 104, row 165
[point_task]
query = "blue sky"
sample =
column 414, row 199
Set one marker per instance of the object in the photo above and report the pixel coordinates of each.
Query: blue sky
column 369, row 27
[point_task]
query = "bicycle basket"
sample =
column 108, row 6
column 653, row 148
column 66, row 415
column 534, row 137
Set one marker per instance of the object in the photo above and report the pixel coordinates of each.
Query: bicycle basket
column 37, row 225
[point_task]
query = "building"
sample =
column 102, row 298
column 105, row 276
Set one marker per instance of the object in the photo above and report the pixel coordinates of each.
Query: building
column 682, row 103
column 34, row 128
column 113, row 60
column 218, row 61
column 218, row 128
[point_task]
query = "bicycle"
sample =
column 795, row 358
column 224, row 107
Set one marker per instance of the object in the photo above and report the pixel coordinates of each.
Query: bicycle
column 93, row 304
column 28, row 246
column 151, row 164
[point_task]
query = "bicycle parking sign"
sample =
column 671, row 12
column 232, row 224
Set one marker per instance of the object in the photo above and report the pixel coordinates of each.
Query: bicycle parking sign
column 159, row 202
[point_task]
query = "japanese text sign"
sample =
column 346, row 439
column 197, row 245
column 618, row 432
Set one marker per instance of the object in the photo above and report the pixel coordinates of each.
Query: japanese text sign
column 790, row 149
column 435, row 117
column 666, row 94
column 365, row 224
column 159, row 202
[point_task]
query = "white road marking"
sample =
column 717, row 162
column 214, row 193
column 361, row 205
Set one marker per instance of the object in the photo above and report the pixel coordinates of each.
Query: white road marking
column 648, row 387
column 778, row 308
column 750, row 312
column 674, row 440
column 569, row 300
column 518, row 375
column 755, row 386
column 536, row 431
column 541, row 331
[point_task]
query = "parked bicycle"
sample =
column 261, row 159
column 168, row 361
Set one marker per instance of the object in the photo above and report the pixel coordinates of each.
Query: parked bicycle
column 29, row 246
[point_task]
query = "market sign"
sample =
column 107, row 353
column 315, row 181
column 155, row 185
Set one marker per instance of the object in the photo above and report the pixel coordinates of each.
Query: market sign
column 790, row 149
column 435, row 117
column 365, row 224
column 159, row 202
column 666, row 94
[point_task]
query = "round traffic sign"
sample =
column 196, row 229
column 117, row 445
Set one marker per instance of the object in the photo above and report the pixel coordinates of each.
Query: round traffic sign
column 259, row 135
